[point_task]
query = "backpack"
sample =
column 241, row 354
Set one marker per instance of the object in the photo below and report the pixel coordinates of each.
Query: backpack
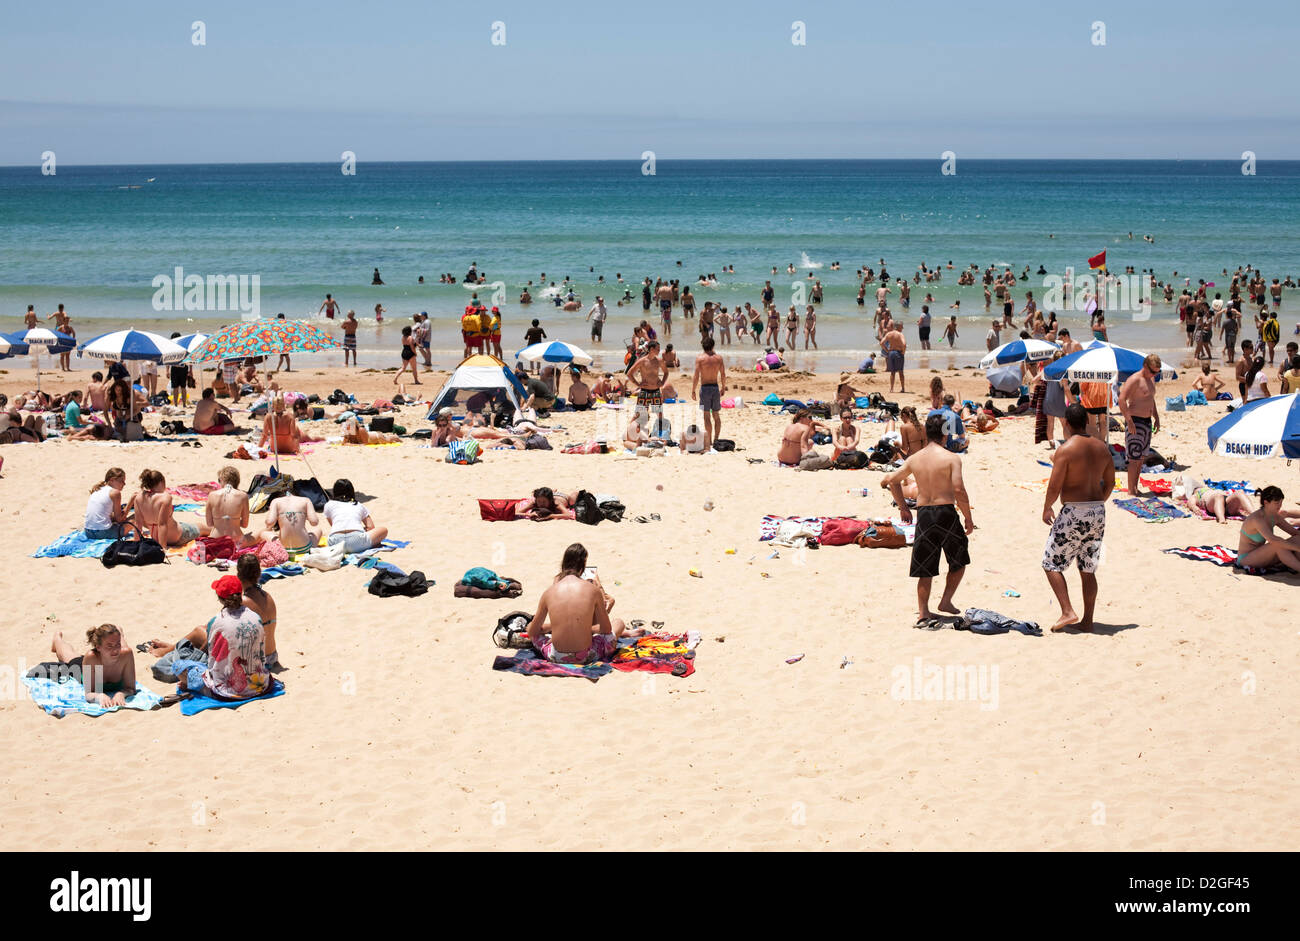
column 852, row 460
column 585, row 508
column 881, row 455
column 139, row 551
column 724, row 444
column 511, row 632
column 479, row 577
column 312, row 490
column 613, row 511
column 338, row 397
column 496, row 511
column 387, row 583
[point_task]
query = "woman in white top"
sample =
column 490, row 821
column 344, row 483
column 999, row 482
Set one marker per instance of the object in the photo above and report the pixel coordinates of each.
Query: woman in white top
column 1257, row 382
column 350, row 522
column 104, row 512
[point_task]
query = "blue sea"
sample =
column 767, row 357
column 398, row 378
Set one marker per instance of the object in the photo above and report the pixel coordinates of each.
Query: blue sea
column 95, row 238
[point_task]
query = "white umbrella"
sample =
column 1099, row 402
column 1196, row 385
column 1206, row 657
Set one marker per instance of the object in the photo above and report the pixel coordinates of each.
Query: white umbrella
column 554, row 351
column 1102, row 363
column 1017, row 350
column 1262, row 428
column 43, row 338
column 123, row 345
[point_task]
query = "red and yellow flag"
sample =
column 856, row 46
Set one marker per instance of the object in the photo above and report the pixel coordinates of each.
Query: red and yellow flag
column 1098, row 261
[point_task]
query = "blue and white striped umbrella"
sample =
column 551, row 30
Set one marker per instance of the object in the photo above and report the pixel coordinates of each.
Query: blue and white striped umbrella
column 10, row 345
column 1262, row 428
column 191, row 341
column 50, row 341
column 123, row 345
column 554, row 351
column 1103, row 363
column 1019, row 350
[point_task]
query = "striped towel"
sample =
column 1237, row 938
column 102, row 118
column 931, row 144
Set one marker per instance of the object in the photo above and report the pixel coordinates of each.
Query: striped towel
column 1222, row 556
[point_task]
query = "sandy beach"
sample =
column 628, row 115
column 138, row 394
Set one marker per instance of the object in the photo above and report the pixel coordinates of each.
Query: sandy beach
column 1168, row 728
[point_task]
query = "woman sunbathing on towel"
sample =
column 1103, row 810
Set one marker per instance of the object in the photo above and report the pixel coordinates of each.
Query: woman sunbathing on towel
column 1257, row 546
column 546, row 504
column 107, row 668
column 356, row 433
column 1217, row 503
column 153, row 507
column 279, row 426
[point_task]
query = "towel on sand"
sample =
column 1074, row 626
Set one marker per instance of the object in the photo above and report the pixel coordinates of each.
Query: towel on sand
column 74, row 545
column 1151, row 510
column 811, row 526
column 1222, row 556
column 60, row 699
column 199, row 702
column 195, row 491
column 651, row 653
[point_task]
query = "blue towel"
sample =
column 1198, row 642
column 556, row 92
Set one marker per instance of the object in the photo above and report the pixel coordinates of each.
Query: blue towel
column 59, row 699
column 198, row 702
column 1228, row 484
column 187, row 507
column 279, row 571
column 74, row 545
column 862, row 401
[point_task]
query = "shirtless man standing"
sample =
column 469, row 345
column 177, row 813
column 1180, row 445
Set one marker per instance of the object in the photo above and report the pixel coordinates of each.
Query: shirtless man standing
column 576, row 614
column 1083, row 476
column 292, row 519
column 227, row 509
column 665, row 296
column 940, row 494
column 1137, row 403
column 895, row 346
column 1243, row 366
column 708, row 386
column 649, row 374
column 330, row 306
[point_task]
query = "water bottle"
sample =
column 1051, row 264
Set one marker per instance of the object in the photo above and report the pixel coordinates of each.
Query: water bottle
column 862, row 493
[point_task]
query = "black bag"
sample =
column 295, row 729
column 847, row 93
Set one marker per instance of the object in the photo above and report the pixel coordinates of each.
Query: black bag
column 890, row 407
column 724, row 444
column 882, row 455
column 876, row 400
column 139, row 551
column 585, row 508
column 422, row 433
column 160, row 399
column 852, row 460
column 386, row 584
column 382, row 423
column 819, row 410
column 312, row 490
column 613, row 511
column 821, row 438
column 511, row 632
column 338, row 397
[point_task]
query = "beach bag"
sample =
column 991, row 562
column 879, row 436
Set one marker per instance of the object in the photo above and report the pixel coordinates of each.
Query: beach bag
column 134, row 431
column 511, row 632
column 880, row 536
column 272, row 553
column 1195, row 397
column 338, row 397
column 724, row 444
column 496, row 511
column 772, row 399
column 324, row 559
column 612, row 510
column 840, row 531
column 214, row 547
column 479, row 577
column 881, row 455
column 312, row 490
column 386, row 584
column 852, row 460
column 139, row 551
column 1174, row 403
column 382, row 423
column 819, row 410
column 463, row 451
column 585, row 508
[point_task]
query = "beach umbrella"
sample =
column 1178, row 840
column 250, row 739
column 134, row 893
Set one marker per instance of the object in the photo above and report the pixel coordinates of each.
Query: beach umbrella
column 42, row 338
column 554, row 351
column 1019, row 350
column 122, row 345
column 264, row 338
column 1262, row 428
column 1102, row 363
column 10, row 345
column 191, row 341
column 1005, row 378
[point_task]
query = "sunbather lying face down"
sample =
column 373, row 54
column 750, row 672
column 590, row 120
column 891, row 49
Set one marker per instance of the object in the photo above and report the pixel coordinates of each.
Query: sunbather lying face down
column 545, row 504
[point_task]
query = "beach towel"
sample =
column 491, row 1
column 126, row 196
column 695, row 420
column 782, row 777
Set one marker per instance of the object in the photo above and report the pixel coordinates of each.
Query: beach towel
column 195, row 491
column 655, row 653
column 768, row 525
column 60, row 699
column 74, row 546
column 529, row 664
column 1222, row 556
column 187, row 507
column 1230, row 485
column 280, row 571
column 201, row 702
column 1199, row 512
column 1151, row 510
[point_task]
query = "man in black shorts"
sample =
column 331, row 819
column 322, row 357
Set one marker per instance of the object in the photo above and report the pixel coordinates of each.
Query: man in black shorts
column 940, row 494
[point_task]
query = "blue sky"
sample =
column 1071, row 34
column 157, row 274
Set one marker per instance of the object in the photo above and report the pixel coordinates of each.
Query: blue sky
column 403, row 80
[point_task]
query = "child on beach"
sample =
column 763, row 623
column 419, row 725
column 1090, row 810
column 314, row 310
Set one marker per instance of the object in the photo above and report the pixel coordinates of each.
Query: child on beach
column 950, row 332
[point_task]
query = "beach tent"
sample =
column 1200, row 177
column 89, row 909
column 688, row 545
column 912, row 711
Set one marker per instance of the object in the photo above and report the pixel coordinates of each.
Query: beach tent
column 479, row 373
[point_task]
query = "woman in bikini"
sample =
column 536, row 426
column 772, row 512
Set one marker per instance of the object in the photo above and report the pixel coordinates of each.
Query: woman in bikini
column 154, row 512
column 279, row 426
column 292, row 520
column 227, row 509
column 791, row 327
column 796, row 448
column 1258, row 546
column 809, row 327
column 107, row 668
column 249, row 570
column 911, row 433
column 1210, row 500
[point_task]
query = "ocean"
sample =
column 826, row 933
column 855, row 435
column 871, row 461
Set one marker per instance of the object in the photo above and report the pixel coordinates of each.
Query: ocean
column 96, row 238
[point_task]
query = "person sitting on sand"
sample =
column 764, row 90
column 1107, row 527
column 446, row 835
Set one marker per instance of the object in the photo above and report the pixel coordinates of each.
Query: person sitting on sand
column 796, row 449
column 211, row 417
column 29, row 430
column 236, row 646
column 107, row 669
column 846, row 396
column 637, row 433
column 1209, row 383
column 579, row 394
column 1258, row 546
column 226, row 512
column 911, row 434
column 846, row 435
column 546, row 504
column 104, row 511
column 249, row 571
column 575, row 612
column 350, row 523
column 281, row 428
column 154, row 512
column 1211, row 500
column 693, row 441
column 292, row 520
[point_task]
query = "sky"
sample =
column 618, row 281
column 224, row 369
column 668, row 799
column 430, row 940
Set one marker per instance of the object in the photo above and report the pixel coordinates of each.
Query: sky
column 124, row 83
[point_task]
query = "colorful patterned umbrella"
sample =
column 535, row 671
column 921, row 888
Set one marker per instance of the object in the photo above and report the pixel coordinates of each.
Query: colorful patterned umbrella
column 264, row 338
